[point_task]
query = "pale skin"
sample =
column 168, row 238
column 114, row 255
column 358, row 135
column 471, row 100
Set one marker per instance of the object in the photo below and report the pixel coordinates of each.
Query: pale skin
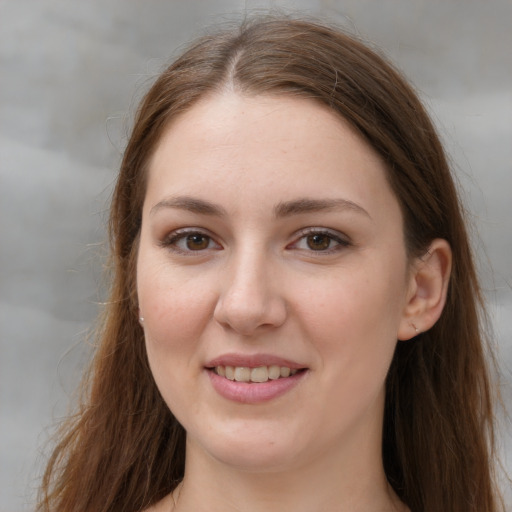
column 269, row 228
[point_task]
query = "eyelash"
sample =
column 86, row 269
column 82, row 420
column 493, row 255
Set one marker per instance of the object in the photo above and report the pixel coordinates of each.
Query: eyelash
column 341, row 242
column 171, row 241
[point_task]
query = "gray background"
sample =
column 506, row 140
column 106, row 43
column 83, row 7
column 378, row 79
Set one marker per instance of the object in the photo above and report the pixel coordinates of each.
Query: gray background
column 71, row 72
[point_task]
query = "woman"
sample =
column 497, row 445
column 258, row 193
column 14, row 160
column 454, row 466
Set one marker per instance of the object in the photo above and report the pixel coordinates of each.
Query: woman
column 294, row 319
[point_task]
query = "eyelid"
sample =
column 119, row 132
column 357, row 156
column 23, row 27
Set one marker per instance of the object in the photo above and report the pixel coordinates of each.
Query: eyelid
column 170, row 241
column 340, row 238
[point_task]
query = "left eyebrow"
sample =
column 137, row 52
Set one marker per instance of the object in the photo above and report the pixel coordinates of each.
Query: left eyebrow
column 307, row 205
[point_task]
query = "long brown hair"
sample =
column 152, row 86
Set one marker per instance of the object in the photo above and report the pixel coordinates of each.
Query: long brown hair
column 124, row 450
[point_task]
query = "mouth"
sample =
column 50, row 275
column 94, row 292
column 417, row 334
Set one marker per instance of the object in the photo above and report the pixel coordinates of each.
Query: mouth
column 254, row 379
column 255, row 375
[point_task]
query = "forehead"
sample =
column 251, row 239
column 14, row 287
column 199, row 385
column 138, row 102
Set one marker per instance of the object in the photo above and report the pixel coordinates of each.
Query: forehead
column 228, row 118
column 265, row 147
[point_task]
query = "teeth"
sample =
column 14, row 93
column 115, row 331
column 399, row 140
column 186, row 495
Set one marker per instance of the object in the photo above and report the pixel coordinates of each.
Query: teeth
column 285, row 372
column 259, row 374
column 274, row 372
column 230, row 373
column 242, row 374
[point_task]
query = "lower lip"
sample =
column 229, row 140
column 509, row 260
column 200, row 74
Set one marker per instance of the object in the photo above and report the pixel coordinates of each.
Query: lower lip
column 253, row 392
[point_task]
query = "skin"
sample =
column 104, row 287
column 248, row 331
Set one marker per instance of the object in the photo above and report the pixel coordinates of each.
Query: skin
column 252, row 282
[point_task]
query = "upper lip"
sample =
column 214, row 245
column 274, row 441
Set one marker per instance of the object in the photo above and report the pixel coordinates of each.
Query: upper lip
column 253, row 361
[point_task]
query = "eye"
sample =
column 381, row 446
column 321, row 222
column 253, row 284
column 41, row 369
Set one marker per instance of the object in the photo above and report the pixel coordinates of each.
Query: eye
column 187, row 241
column 320, row 240
column 197, row 242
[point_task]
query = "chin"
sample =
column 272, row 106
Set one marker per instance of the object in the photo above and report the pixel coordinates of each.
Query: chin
column 251, row 450
column 260, row 460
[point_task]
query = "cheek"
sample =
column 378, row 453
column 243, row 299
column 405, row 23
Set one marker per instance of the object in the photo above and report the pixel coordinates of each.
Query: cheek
column 175, row 307
column 353, row 320
column 176, row 311
column 354, row 301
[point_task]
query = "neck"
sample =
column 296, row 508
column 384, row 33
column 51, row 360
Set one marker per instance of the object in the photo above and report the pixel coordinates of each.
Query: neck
column 321, row 485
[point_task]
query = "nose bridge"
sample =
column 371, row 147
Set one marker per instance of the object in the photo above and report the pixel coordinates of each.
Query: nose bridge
column 249, row 298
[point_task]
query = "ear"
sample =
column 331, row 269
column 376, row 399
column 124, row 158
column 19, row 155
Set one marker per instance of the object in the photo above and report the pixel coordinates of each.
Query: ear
column 428, row 286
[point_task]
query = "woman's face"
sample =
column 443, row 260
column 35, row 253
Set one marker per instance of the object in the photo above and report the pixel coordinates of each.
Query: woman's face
column 271, row 245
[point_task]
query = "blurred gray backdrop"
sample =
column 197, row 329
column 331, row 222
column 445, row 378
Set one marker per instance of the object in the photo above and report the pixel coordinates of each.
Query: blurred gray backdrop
column 70, row 74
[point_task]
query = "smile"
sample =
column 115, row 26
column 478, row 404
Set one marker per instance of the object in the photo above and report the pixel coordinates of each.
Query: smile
column 259, row 374
column 254, row 379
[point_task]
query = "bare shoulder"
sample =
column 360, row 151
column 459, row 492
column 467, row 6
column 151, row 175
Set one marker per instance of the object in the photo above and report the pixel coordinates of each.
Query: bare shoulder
column 164, row 505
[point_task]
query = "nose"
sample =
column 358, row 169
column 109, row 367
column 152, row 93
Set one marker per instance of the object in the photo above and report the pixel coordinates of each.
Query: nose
column 250, row 299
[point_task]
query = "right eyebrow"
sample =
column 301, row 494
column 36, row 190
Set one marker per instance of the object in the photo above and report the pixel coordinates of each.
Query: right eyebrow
column 190, row 204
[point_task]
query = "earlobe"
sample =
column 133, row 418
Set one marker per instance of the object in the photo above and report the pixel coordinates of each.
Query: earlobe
column 428, row 287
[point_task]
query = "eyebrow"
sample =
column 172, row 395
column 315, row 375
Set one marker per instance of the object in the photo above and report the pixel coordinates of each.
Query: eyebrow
column 306, row 205
column 190, row 204
column 283, row 209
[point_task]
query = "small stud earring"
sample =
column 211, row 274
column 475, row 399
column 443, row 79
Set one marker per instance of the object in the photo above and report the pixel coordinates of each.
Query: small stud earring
column 141, row 319
column 415, row 328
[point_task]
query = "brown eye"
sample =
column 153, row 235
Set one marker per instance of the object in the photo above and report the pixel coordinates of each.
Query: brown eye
column 197, row 242
column 189, row 241
column 318, row 242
